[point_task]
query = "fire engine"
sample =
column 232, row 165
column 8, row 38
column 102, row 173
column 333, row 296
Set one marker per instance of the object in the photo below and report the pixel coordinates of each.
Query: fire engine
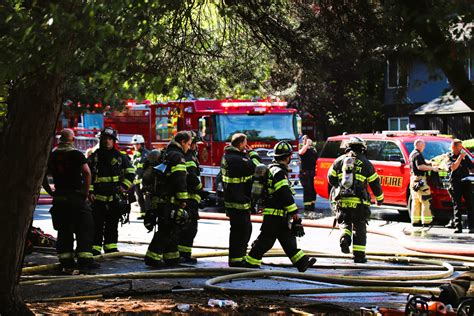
column 264, row 122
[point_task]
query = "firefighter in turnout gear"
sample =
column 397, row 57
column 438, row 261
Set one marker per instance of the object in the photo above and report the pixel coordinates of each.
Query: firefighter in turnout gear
column 138, row 160
column 170, row 210
column 280, row 215
column 237, row 169
column 186, row 236
column 112, row 176
column 419, row 188
column 308, row 157
column 70, row 213
column 349, row 175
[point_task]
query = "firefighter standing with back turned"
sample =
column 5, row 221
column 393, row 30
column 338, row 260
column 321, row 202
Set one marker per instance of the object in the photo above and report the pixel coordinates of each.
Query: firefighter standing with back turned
column 112, row 176
column 308, row 157
column 419, row 188
column 186, row 236
column 349, row 175
column 237, row 169
column 171, row 210
column 138, row 160
column 280, row 210
column 70, row 212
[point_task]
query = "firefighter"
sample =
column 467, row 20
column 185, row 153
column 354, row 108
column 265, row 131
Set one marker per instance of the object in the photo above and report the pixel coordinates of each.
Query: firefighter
column 138, row 159
column 460, row 165
column 419, row 188
column 279, row 210
column 171, row 208
column 308, row 156
column 349, row 175
column 237, row 168
column 112, row 176
column 186, row 236
column 70, row 213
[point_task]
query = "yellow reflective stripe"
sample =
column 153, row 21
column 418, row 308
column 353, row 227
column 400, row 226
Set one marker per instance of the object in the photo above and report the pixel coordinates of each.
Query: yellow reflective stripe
column 236, row 259
column 191, row 163
column 84, row 255
column 358, row 248
column 195, row 197
column 182, row 195
column 171, row 255
column 137, row 181
column 373, row 177
column 182, row 248
column 66, row 255
column 180, row 167
column 274, row 211
column 198, row 187
column 127, row 183
column 97, row 248
column 110, row 246
column 139, row 165
column 339, row 176
column 333, row 173
column 308, row 203
column 416, row 217
column 91, row 187
column 255, row 161
column 360, row 177
column 227, row 179
column 104, row 198
column 253, row 154
column 280, row 184
column 297, row 256
column 351, row 199
column 427, row 218
column 238, row 206
column 379, row 197
column 154, row 255
column 442, row 173
column 107, row 179
column 130, row 170
column 347, row 232
column 291, row 208
column 253, row 261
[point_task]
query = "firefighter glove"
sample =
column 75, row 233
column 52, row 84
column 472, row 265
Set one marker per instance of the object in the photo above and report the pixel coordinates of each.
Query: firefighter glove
column 149, row 221
column 297, row 228
column 180, row 217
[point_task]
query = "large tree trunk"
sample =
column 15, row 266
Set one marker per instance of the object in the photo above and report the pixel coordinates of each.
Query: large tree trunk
column 33, row 107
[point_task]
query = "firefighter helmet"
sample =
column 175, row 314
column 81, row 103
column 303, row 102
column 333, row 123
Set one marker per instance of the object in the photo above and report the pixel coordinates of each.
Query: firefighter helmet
column 138, row 139
column 195, row 137
column 180, row 216
column 357, row 142
column 282, row 148
column 154, row 157
column 110, row 132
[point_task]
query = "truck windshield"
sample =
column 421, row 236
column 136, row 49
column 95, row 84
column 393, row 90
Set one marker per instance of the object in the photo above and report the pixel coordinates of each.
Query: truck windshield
column 266, row 127
column 432, row 149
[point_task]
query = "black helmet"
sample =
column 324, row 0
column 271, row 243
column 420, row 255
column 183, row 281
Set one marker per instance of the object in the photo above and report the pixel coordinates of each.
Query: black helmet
column 154, row 157
column 110, row 132
column 356, row 143
column 282, row 148
column 195, row 137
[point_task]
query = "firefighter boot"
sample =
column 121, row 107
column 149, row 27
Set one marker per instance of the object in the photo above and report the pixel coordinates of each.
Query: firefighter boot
column 187, row 259
column 67, row 263
column 359, row 257
column 345, row 243
column 87, row 264
column 154, row 263
column 304, row 263
column 246, row 264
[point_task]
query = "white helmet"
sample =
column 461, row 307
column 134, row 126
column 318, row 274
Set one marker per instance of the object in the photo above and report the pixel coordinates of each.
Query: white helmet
column 357, row 142
column 138, row 139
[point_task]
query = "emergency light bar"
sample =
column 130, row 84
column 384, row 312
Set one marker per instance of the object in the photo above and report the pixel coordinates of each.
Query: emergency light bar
column 411, row 133
column 249, row 104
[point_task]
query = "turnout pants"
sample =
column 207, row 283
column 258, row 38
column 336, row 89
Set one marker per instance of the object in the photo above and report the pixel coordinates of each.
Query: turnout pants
column 458, row 191
column 140, row 199
column 164, row 245
column 72, row 216
column 309, row 194
column 354, row 228
column 240, row 232
column 273, row 228
column 420, row 205
column 188, row 232
column 106, row 219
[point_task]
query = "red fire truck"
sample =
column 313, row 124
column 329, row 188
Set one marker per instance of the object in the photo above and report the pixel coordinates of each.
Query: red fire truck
column 264, row 122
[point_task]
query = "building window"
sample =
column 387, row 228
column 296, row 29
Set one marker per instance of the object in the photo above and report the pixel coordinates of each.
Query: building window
column 397, row 75
column 398, row 123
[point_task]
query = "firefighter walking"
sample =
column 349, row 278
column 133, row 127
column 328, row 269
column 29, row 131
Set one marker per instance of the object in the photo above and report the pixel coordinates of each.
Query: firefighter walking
column 138, row 160
column 349, row 175
column 112, row 176
column 308, row 156
column 280, row 210
column 169, row 208
column 70, row 213
column 237, row 168
column 419, row 189
column 188, row 233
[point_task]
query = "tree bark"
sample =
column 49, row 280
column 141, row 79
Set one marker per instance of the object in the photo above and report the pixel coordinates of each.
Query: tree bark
column 25, row 143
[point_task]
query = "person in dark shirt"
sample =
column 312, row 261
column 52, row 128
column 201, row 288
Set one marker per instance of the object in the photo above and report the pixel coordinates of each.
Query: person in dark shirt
column 460, row 165
column 70, row 212
column 308, row 156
